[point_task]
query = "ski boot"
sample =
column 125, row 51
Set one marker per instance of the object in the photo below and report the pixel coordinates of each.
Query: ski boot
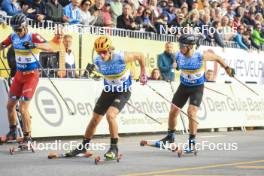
column 191, row 147
column 11, row 135
column 26, row 143
column 73, row 153
column 112, row 153
column 166, row 141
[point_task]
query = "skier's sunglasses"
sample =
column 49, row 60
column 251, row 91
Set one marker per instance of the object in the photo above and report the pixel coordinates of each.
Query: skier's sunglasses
column 18, row 30
column 102, row 52
column 185, row 45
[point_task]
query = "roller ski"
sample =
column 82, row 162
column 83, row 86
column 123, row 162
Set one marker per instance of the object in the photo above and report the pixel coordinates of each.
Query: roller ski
column 165, row 143
column 159, row 144
column 53, row 155
column 80, row 151
column 25, row 145
column 11, row 137
column 111, row 155
column 188, row 150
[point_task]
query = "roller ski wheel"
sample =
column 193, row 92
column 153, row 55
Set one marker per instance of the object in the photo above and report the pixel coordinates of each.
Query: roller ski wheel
column 182, row 152
column 98, row 160
column 4, row 140
column 21, row 147
column 53, row 155
column 143, row 143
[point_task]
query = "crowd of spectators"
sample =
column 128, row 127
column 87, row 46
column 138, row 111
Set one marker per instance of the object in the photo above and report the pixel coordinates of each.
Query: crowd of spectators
column 235, row 20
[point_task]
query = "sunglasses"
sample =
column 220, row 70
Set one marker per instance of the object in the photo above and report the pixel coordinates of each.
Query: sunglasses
column 147, row 13
column 18, row 30
column 102, row 53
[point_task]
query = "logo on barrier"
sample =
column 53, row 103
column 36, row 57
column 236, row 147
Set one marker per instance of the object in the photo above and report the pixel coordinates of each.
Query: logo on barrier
column 202, row 113
column 49, row 106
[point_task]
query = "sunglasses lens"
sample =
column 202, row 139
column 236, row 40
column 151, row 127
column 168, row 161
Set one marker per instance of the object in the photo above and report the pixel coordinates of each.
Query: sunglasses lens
column 18, row 30
column 102, row 52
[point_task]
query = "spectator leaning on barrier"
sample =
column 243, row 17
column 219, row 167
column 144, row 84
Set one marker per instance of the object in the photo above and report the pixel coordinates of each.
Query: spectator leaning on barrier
column 227, row 31
column 217, row 34
column 11, row 7
column 204, row 26
column 156, row 11
column 38, row 11
column 126, row 20
column 101, row 13
column 256, row 34
column 72, row 12
column 116, row 8
column 162, row 24
column 145, row 22
column 252, row 41
column 238, row 38
column 169, row 12
column 69, row 57
column 86, row 17
column 246, row 39
column 178, row 21
column 166, row 63
column 54, row 11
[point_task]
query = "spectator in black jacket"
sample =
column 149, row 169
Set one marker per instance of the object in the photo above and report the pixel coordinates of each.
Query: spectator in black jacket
column 64, row 2
column 126, row 20
column 39, row 14
column 54, row 11
column 145, row 21
column 218, row 38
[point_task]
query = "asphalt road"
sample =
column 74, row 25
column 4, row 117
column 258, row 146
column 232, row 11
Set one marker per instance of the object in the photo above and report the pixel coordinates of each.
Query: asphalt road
column 223, row 153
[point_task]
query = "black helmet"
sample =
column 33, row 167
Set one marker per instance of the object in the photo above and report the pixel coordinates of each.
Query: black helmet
column 18, row 20
column 188, row 39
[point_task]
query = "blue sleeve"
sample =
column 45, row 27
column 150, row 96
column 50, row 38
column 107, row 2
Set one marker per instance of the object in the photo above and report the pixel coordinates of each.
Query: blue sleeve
column 65, row 11
column 9, row 8
column 239, row 41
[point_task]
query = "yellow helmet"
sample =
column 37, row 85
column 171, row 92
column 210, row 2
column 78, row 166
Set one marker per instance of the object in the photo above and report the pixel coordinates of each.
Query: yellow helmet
column 102, row 43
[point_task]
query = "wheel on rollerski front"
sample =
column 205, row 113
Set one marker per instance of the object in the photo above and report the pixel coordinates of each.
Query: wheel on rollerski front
column 143, row 143
column 181, row 152
column 22, row 147
column 98, row 159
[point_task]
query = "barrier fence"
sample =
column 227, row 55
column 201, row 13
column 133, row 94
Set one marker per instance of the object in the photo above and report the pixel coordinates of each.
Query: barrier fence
column 240, row 108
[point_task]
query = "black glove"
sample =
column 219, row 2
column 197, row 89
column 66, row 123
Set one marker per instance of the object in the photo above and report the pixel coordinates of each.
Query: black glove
column 230, row 71
column 90, row 68
column 29, row 45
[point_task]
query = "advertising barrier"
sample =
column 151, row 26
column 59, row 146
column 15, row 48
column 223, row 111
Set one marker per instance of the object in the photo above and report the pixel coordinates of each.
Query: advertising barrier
column 249, row 66
column 4, row 126
column 51, row 118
